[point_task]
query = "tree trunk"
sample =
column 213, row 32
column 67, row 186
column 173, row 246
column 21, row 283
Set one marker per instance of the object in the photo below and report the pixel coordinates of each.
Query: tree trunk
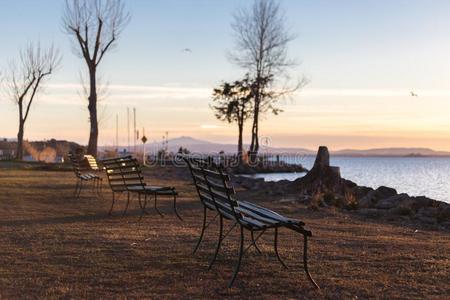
column 93, row 134
column 240, row 143
column 19, row 153
column 322, row 177
column 254, row 146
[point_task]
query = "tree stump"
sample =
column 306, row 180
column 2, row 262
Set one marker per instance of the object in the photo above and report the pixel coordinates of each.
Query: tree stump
column 322, row 177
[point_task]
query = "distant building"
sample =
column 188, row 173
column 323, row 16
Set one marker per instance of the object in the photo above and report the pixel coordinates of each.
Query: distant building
column 7, row 149
column 28, row 158
column 51, row 151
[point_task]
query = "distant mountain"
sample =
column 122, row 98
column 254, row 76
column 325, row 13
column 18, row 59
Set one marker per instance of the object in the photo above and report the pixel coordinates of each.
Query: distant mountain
column 196, row 145
column 187, row 141
column 202, row 146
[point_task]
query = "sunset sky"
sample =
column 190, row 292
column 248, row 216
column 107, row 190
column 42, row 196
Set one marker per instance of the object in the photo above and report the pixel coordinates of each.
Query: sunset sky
column 362, row 58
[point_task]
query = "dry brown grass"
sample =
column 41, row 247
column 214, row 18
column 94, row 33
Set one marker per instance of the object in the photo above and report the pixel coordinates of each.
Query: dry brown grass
column 53, row 246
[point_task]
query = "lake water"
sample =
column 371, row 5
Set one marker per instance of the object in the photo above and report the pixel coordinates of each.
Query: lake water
column 416, row 176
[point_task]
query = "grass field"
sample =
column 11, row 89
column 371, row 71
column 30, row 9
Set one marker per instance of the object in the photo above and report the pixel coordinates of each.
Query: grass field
column 53, row 246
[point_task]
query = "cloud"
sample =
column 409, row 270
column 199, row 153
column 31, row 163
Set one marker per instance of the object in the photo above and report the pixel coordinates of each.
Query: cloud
column 372, row 92
column 209, row 126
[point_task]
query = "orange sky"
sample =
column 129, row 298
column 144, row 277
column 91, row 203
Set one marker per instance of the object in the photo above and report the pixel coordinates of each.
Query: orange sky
column 339, row 118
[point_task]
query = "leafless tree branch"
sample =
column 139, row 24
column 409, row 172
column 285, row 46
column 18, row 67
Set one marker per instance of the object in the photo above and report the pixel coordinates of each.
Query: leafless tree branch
column 261, row 43
column 26, row 78
column 96, row 26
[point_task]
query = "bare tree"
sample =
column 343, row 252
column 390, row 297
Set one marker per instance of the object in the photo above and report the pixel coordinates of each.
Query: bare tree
column 261, row 49
column 25, row 80
column 232, row 103
column 96, row 26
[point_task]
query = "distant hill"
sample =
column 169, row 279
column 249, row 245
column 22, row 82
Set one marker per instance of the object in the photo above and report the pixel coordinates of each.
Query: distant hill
column 202, row 146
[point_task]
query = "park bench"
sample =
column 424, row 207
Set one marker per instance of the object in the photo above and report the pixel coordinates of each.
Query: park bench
column 84, row 177
column 217, row 194
column 92, row 162
column 125, row 176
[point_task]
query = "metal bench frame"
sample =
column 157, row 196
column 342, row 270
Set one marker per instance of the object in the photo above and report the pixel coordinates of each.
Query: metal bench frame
column 85, row 177
column 125, row 176
column 217, row 194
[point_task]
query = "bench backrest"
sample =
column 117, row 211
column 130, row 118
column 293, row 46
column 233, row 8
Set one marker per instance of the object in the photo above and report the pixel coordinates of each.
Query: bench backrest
column 75, row 164
column 92, row 162
column 213, row 186
column 199, row 180
column 123, row 173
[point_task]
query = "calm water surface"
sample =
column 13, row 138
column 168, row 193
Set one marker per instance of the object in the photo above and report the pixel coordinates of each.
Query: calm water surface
column 417, row 176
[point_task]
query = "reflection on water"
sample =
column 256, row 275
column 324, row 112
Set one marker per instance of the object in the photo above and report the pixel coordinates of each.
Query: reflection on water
column 417, row 176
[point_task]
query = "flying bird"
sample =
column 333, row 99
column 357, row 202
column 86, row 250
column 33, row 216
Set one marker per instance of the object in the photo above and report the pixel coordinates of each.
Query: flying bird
column 413, row 94
column 187, row 50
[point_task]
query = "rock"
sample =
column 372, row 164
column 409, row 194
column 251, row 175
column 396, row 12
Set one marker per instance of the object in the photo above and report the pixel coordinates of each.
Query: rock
column 322, row 157
column 248, row 183
column 361, row 191
column 350, row 184
column 373, row 196
column 258, row 183
column 265, row 167
column 444, row 215
column 322, row 177
column 370, row 212
column 386, row 204
column 421, row 201
column 385, row 192
column 427, row 220
column 445, row 225
column 431, row 212
column 406, row 202
column 305, row 199
column 392, row 201
column 401, row 211
column 368, row 200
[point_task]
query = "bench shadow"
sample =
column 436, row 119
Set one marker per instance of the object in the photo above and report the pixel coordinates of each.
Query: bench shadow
column 165, row 206
column 67, row 219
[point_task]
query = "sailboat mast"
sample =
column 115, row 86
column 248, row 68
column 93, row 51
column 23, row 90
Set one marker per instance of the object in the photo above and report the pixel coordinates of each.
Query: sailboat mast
column 134, row 129
column 117, row 132
column 128, row 128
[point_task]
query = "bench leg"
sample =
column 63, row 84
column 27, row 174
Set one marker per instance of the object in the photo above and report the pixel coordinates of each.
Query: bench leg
column 77, row 186
column 142, row 206
column 238, row 265
column 79, row 190
column 305, row 261
column 99, row 188
column 126, row 206
column 254, row 243
column 112, row 203
column 175, row 207
column 219, row 242
column 202, row 232
column 140, row 201
column 96, row 181
column 156, row 208
column 275, row 245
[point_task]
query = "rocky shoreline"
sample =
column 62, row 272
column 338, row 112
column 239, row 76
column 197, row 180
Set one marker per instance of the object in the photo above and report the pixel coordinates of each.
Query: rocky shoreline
column 323, row 186
column 280, row 167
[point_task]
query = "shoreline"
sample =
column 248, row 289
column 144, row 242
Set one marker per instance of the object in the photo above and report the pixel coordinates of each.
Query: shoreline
column 259, row 176
column 379, row 203
column 323, row 186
